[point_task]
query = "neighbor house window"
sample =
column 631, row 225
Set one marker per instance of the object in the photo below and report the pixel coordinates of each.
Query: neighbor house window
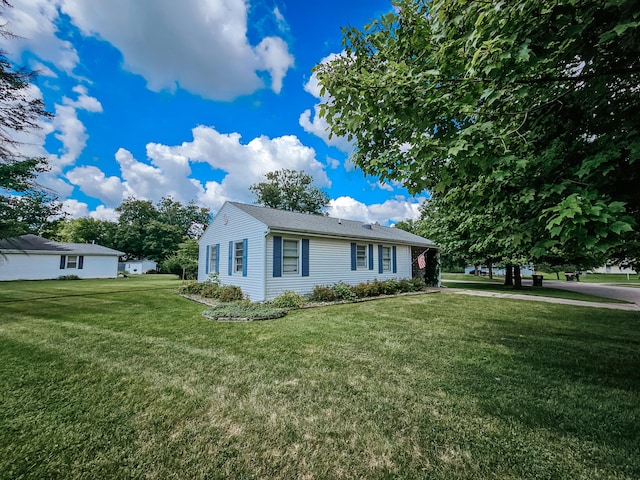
column 386, row 259
column 72, row 262
column 290, row 256
column 361, row 256
column 238, row 255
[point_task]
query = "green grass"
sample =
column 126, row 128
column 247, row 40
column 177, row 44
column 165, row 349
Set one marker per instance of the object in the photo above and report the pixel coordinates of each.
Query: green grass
column 138, row 384
column 529, row 290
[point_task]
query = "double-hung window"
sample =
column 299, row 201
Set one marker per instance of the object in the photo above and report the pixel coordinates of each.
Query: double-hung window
column 361, row 256
column 290, row 257
column 213, row 259
column 386, row 259
column 238, row 256
column 72, row 261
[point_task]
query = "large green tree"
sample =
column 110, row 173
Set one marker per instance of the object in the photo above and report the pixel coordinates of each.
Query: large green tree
column 155, row 231
column 291, row 190
column 527, row 110
column 24, row 206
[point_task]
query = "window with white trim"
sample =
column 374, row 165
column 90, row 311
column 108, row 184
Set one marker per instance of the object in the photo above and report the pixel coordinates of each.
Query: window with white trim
column 213, row 259
column 386, row 259
column 238, row 253
column 361, row 256
column 290, row 257
column 72, row 261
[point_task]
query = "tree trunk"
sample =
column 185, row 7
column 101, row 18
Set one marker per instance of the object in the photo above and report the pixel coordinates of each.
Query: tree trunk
column 490, row 265
column 517, row 277
column 558, row 275
column 508, row 275
column 476, row 272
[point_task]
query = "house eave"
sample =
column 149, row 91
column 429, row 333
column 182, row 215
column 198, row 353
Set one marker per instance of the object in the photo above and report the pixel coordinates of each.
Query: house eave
column 284, row 231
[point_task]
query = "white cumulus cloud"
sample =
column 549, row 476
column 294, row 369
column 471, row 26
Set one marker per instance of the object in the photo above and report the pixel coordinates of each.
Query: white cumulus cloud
column 392, row 210
column 313, row 123
column 200, row 45
column 167, row 170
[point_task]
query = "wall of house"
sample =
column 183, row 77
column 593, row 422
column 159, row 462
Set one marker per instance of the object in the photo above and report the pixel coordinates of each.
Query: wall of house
column 329, row 263
column 139, row 266
column 41, row 266
column 233, row 225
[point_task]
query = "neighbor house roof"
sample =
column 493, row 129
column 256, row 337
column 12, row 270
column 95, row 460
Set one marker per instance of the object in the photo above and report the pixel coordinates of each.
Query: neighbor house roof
column 35, row 244
column 282, row 220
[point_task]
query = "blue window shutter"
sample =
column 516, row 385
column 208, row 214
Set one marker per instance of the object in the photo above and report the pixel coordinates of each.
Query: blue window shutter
column 277, row 256
column 394, row 266
column 379, row 258
column 63, row 261
column 206, row 259
column 371, row 256
column 217, row 265
column 80, row 262
column 305, row 257
column 230, row 258
column 245, row 244
column 354, row 265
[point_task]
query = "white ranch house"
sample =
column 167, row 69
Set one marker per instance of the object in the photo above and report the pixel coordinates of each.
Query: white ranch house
column 266, row 251
column 29, row 257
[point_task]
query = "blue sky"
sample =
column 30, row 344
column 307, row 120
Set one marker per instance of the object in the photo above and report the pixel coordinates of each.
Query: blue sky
column 196, row 99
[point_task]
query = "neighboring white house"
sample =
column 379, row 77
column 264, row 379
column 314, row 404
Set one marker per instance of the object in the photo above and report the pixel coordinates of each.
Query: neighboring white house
column 614, row 268
column 136, row 267
column 30, row 257
column 266, row 251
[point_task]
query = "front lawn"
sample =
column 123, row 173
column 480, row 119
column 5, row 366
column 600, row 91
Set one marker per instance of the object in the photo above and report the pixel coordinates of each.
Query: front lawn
column 529, row 290
column 136, row 383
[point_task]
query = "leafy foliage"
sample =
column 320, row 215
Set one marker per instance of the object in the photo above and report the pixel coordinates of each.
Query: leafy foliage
column 244, row 311
column 156, row 231
column 288, row 299
column 520, row 117
column 290, row 190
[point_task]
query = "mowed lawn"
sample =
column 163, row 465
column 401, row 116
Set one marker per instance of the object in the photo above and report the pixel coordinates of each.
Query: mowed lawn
column 125, row 379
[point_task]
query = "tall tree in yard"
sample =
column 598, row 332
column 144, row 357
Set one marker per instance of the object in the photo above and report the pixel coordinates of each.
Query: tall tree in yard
column 24, row 206
column 529, row 110
column 291, row 190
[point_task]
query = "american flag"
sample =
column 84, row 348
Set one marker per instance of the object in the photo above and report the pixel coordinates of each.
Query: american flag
column 422, row 262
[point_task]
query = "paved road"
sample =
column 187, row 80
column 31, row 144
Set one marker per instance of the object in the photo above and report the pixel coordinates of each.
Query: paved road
column 629, row 294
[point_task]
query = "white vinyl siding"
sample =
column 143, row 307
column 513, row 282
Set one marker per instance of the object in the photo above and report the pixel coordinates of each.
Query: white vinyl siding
column 238, row 226
column 45, row 265
column 329, row 263
column 290, row 257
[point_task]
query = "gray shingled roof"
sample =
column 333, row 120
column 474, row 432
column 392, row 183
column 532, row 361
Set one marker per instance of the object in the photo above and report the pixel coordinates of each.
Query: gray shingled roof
column 281, row 220
column 34, row 243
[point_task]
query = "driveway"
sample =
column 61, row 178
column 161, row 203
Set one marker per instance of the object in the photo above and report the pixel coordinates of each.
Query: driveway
column 629, row 294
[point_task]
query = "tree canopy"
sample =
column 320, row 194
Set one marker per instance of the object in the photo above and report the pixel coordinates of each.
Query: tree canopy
column 522, row 116
column 291, row 190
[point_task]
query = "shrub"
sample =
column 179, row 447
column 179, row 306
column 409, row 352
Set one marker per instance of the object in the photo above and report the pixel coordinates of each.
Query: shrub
column 391, row 286
column 244, row 310
column 417, row 284
column 322, row 293
column 68, row 277
column 229, row 293
column 193, row 288
column 288, row 299
column 362, row 290
column 343, row 291
column 405, row 285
